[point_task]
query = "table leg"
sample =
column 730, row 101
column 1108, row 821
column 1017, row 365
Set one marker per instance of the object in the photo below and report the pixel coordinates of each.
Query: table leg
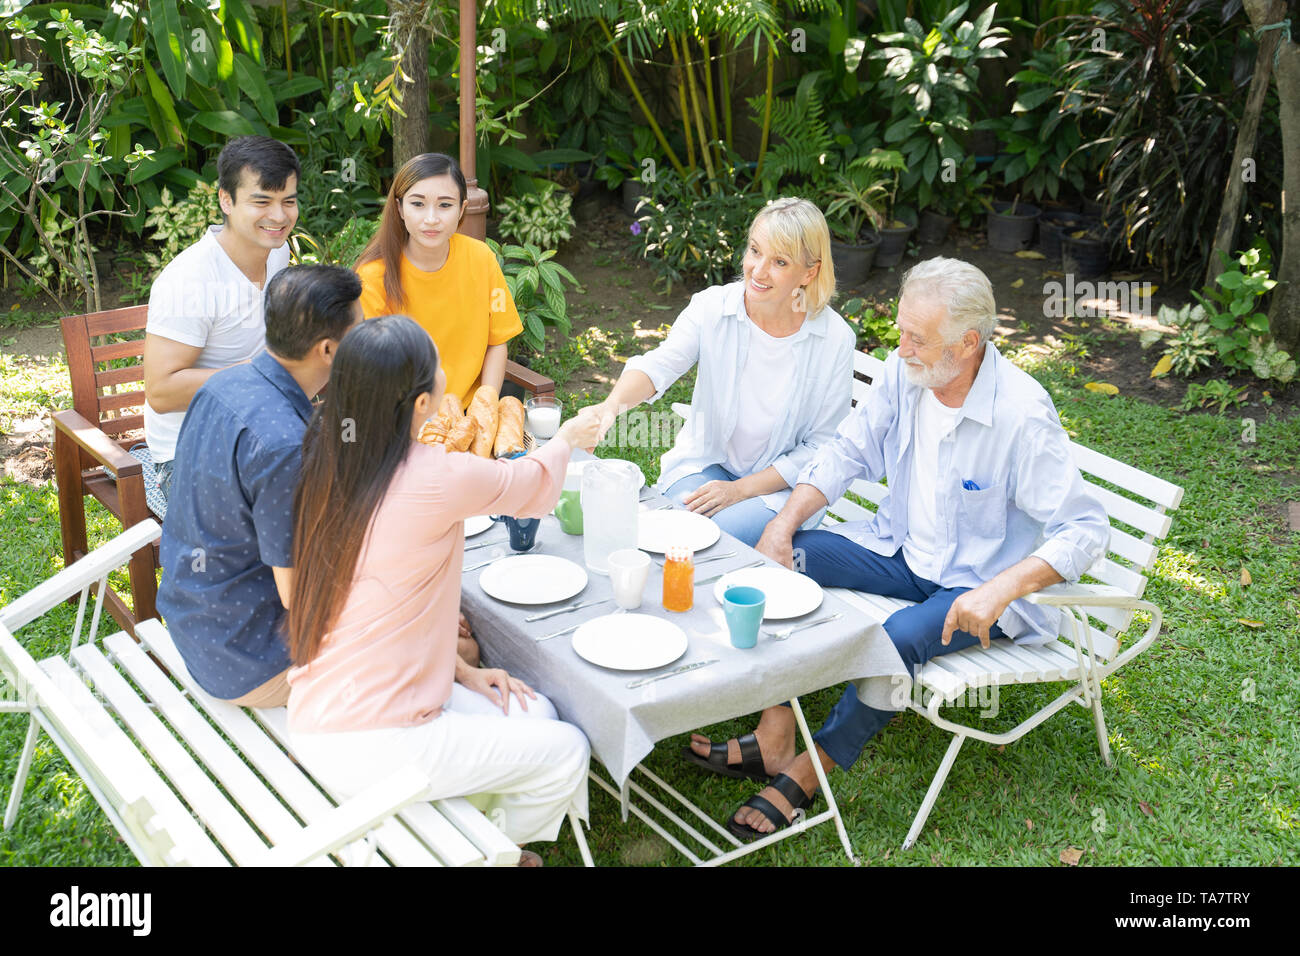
column 811, row 747
column 625, row 797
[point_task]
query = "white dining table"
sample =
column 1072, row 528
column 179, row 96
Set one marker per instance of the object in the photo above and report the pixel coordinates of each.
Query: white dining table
column 623, row 723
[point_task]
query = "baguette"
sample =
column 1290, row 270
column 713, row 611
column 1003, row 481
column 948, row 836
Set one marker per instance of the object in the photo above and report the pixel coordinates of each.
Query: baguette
column 510, row 427
column 483, row 413
column 439, row 429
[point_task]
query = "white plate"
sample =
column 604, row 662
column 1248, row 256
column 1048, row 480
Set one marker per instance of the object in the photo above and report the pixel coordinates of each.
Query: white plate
column 532, row 579
column 629, row 642
column 788, row 594
column 575, row 469
column 477, row 525
column 659, row 530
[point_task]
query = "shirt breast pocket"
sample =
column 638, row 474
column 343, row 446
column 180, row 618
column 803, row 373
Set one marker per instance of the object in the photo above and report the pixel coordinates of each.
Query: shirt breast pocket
column 982, row 512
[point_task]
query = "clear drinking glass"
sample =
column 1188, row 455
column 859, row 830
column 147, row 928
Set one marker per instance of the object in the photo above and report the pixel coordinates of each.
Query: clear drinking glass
column 609, row 510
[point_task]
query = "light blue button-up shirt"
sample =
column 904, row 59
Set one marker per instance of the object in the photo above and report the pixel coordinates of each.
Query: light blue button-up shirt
column 714, row 332
column 1028, row 499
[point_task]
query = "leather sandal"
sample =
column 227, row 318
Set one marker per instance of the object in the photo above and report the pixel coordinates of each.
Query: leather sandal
column 792, row 795
column 744, row 762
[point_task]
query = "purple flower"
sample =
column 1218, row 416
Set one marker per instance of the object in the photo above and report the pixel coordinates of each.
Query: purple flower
column 636, row 228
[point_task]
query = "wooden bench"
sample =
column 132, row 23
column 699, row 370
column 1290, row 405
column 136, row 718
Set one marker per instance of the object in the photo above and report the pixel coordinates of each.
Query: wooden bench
column 94, row 438
column 1097, row 612
column 226, row 789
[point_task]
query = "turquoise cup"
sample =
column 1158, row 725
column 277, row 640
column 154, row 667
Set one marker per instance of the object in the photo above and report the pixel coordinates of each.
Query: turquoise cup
column 743, row 609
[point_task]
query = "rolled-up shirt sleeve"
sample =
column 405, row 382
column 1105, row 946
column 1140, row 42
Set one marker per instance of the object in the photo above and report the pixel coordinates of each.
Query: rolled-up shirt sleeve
column 677, row 355
column 837, row 403
column 1050, row 489
column 858, row 448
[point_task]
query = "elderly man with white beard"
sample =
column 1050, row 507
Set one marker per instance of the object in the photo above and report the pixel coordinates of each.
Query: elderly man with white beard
column 985, row 506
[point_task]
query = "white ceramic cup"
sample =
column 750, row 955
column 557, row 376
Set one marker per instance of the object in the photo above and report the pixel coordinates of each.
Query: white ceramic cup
column 628, row 571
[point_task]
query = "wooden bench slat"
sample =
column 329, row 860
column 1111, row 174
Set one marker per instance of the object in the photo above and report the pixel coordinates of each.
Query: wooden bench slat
column 286, row 778
column 242, row 786
column 116, row 350
column 984, row 667
column 111, row 403
column 116, row 320
column 437, row 830
column 114, row 757
column 1022, row 672
column 946, row 683
column 1041, row 670
column 1133, row 549
column 405, row 851
column 1118, row 508
column 1108, row 469
column 222, row 819
column 1108, row 572
column 119, row 376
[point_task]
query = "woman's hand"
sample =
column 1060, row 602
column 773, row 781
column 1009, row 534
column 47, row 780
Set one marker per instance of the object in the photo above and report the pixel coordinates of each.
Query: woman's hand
column 496, row 685
column 711, row 497
column 583, row 430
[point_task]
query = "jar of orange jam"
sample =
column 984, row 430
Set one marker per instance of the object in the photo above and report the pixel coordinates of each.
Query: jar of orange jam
column 679, row 579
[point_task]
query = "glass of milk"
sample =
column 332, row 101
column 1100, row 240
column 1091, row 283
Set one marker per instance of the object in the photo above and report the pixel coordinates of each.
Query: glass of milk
column 542, row 417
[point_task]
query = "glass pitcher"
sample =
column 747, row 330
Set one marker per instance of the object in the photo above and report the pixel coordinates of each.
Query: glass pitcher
column 609, row 510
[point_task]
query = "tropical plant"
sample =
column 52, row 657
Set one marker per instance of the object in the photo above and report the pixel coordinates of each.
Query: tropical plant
column 1231, row 309
column 341, row 248
column 1159, row 75
column 536, row 284
column 683, row 234
column 542, row 218
column 930, row 79
column 1216, row 392
column 641, row 164
column 178, row 225
column 863, row 192
column 55, row 161
column 1041, row 137
column 1191, row 347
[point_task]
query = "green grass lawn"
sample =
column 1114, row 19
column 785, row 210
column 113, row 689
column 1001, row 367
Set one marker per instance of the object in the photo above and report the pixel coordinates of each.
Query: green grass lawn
column 1206, row 756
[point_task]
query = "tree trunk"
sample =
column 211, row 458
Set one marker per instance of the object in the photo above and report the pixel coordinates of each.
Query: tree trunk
column 1284, row 315
column 411, row 132
column 1225, row 234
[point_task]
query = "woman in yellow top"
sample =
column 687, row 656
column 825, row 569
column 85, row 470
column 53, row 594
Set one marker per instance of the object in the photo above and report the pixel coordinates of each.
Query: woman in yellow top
column 418, row 265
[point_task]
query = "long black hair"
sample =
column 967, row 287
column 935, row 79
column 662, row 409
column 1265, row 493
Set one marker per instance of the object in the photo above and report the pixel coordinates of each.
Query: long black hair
column 355, row 442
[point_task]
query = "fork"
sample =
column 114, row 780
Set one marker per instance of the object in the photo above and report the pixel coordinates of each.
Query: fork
column 782, row 634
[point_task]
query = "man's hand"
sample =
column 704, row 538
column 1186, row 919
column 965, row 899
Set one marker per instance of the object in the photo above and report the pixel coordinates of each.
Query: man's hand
column 777, row 544
column 712, row 496
column 975, row 612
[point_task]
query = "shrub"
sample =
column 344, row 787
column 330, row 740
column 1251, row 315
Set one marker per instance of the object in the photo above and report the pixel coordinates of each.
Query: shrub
column 542, row 219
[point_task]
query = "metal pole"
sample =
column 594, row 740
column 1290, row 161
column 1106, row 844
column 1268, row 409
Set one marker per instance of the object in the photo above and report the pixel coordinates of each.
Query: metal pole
column 474, row 222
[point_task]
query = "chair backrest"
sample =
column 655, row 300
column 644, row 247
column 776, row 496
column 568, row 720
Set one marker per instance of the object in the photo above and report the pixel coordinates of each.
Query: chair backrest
column 97, row 393
column 1138, row 505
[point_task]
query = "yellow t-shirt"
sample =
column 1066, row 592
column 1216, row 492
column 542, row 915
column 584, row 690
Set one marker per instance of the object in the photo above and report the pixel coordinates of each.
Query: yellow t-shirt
column 465, row 307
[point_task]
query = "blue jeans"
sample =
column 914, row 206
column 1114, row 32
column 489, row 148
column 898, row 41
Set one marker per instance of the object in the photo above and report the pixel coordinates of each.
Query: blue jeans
column 832, row 560
column 744, row 521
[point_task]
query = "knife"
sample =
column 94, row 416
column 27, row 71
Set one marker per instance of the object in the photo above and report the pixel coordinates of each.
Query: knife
column 718, row 577
column 676, row 670
column 565, row 610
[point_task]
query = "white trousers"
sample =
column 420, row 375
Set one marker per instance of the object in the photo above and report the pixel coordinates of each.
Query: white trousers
column 525, row 770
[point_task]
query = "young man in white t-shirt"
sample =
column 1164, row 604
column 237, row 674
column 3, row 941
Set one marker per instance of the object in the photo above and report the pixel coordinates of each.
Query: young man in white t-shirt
column 205, row 308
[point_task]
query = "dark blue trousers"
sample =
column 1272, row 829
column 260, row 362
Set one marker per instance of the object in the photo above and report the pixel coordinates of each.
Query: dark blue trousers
column 832, row 560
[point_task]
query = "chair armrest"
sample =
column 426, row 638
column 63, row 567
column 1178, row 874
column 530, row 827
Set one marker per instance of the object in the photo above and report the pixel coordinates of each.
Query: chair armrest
column 96, row 444
column 529, row 380
column 350, row 821
column 1083, row 595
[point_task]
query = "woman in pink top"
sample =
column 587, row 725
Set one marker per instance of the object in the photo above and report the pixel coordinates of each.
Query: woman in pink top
column 378, row 550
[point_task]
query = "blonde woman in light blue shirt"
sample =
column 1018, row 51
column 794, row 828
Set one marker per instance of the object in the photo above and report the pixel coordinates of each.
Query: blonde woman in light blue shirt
column 775, row 375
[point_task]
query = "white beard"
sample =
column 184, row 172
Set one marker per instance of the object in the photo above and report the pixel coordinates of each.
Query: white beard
column 932, row 376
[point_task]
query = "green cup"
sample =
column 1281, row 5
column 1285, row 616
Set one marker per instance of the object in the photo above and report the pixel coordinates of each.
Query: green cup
column 569, row 511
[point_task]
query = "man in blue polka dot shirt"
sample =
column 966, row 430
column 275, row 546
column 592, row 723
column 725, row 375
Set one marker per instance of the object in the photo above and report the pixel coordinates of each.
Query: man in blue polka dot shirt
column 227, row 542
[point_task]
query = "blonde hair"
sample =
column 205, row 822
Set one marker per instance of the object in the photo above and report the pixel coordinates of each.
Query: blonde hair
column 962, row 289
column 797, row 230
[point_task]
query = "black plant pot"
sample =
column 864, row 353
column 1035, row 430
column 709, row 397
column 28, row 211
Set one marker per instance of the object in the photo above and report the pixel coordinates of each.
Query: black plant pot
column 934, row 227
column 1012, row 233
column 1087, row 256
column 633, row 190
column 853, row 261
column 1053, row 224
column 893, row 244
column 1092, row 207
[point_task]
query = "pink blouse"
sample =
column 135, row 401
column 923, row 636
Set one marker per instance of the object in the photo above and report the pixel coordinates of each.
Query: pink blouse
column 390, row 659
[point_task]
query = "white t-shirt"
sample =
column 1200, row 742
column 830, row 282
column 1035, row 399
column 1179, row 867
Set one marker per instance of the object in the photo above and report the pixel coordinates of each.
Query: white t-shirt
column 934, row 420
column 203, row 300
column 763, row 396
